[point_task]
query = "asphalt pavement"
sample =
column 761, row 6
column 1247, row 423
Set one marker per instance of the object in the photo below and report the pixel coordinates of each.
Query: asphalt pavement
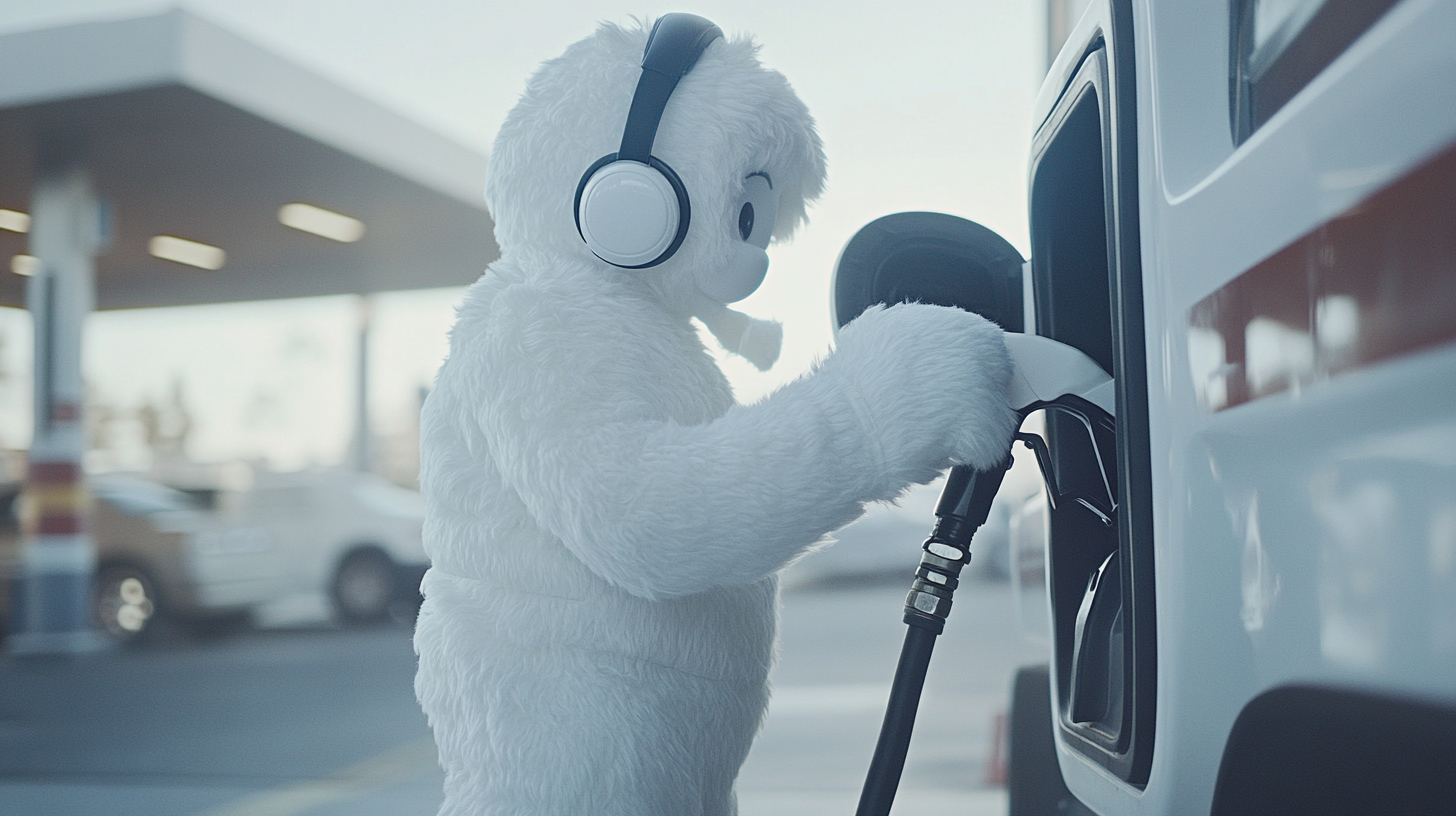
column 323, row 722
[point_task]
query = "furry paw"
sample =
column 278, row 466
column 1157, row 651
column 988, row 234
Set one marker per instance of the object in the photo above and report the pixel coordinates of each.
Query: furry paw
column 929, row 386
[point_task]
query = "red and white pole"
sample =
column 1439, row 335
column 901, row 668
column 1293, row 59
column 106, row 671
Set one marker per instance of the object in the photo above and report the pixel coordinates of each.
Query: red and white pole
column 51, row 611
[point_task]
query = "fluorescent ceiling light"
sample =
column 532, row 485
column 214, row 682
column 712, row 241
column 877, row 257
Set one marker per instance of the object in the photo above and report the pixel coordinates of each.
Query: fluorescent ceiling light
column 321, row 222
column 14, row 221
column 25, row 265
column 183, row 251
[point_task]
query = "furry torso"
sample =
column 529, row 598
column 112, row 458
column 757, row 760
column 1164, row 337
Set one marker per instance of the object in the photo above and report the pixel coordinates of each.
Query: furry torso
column 604, row 522
column 529, row 659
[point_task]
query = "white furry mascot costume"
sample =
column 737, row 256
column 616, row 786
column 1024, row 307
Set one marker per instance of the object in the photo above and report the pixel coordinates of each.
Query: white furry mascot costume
column 605, row 522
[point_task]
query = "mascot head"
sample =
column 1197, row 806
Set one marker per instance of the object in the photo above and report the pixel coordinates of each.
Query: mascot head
column 664, row 153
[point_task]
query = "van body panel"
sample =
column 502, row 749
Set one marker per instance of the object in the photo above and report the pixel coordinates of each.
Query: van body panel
column 1305, row 536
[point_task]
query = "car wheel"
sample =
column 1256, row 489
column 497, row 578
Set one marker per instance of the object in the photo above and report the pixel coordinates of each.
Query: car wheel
column 1034, row 783
column 124, row 603
column 364, row 587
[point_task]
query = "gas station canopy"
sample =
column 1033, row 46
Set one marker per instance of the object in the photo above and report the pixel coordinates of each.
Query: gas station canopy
column 188, row 131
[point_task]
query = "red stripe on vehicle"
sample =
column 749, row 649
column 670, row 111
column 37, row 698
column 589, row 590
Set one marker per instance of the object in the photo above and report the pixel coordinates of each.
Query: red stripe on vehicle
column 1375, row 282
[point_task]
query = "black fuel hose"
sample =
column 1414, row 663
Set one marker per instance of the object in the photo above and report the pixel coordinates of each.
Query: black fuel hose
column 963, row 507
column 889, row 759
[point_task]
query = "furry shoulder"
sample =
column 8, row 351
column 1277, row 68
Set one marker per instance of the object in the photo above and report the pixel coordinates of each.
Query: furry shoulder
column 573, row 343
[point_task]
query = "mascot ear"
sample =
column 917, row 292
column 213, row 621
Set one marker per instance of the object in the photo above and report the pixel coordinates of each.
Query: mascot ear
column 631, row 208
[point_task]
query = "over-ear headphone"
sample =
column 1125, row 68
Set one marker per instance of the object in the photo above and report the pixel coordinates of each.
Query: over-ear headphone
column 631, row 208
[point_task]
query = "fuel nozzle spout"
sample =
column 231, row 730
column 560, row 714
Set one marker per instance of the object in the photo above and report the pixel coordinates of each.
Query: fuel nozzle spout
column 1046, row 375
column 964, row 505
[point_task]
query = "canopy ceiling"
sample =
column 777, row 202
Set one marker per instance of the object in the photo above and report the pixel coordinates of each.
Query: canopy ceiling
column 190, row 131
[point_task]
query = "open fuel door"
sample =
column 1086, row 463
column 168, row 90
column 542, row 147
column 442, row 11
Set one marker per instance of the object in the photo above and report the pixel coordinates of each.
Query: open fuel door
column 1087, row 287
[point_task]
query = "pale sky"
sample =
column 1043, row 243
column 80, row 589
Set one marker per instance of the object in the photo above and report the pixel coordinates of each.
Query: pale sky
column 922, row 105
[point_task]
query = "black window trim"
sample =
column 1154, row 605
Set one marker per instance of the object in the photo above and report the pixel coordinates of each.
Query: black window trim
column 1257, row 92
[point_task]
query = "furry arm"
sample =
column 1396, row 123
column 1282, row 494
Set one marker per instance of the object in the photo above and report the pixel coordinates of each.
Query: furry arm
column 574, row 419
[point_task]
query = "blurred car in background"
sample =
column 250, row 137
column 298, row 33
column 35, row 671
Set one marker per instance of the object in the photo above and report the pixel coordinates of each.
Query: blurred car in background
column 158, row 553
column 1028, row 529
column 347, row 542
column 341, row 543
column 884, row 543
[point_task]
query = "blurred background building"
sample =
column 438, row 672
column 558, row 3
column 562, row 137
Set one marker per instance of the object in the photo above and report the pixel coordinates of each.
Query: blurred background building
column 159, row 161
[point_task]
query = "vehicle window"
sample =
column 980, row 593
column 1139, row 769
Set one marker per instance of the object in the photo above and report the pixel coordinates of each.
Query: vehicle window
column 137, row 497
column 1278, row 46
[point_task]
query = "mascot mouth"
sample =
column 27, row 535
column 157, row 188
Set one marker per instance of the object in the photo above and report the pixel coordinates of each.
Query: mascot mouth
column 738, row 278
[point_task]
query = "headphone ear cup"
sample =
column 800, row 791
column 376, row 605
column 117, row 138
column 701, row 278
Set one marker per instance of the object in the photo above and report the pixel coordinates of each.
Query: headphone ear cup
column 630, row 214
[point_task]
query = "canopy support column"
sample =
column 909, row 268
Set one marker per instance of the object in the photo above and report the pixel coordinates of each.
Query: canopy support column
column 363, row 445
column 52, row 599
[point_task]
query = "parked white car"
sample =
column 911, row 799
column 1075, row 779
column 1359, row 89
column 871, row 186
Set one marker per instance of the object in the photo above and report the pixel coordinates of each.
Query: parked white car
column 343, row 541
column 291, row 548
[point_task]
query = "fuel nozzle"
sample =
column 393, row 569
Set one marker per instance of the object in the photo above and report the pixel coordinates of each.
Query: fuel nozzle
column 964, row 504
column 1046, row 374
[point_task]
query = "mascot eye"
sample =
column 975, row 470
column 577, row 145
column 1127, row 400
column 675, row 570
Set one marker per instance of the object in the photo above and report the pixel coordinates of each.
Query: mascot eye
column 757, row 209
column 745, row 220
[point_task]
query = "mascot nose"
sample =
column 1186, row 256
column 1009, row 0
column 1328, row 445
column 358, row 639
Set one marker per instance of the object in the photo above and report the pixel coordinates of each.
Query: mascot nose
column 738, row 278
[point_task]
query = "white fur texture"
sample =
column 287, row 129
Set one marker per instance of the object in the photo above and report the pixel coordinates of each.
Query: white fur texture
column 605, row 523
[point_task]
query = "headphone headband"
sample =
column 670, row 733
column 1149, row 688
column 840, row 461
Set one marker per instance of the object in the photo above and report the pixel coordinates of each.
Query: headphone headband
column 631, row 209
column 673, row 48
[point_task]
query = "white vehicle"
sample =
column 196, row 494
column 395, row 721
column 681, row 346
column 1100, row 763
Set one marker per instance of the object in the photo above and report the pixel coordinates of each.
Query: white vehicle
column 344, row 541
column 1246, row 213
column 293, row 548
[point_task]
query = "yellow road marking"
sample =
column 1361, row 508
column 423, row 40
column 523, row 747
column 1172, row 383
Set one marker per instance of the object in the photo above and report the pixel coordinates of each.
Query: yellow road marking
column 377, row 772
